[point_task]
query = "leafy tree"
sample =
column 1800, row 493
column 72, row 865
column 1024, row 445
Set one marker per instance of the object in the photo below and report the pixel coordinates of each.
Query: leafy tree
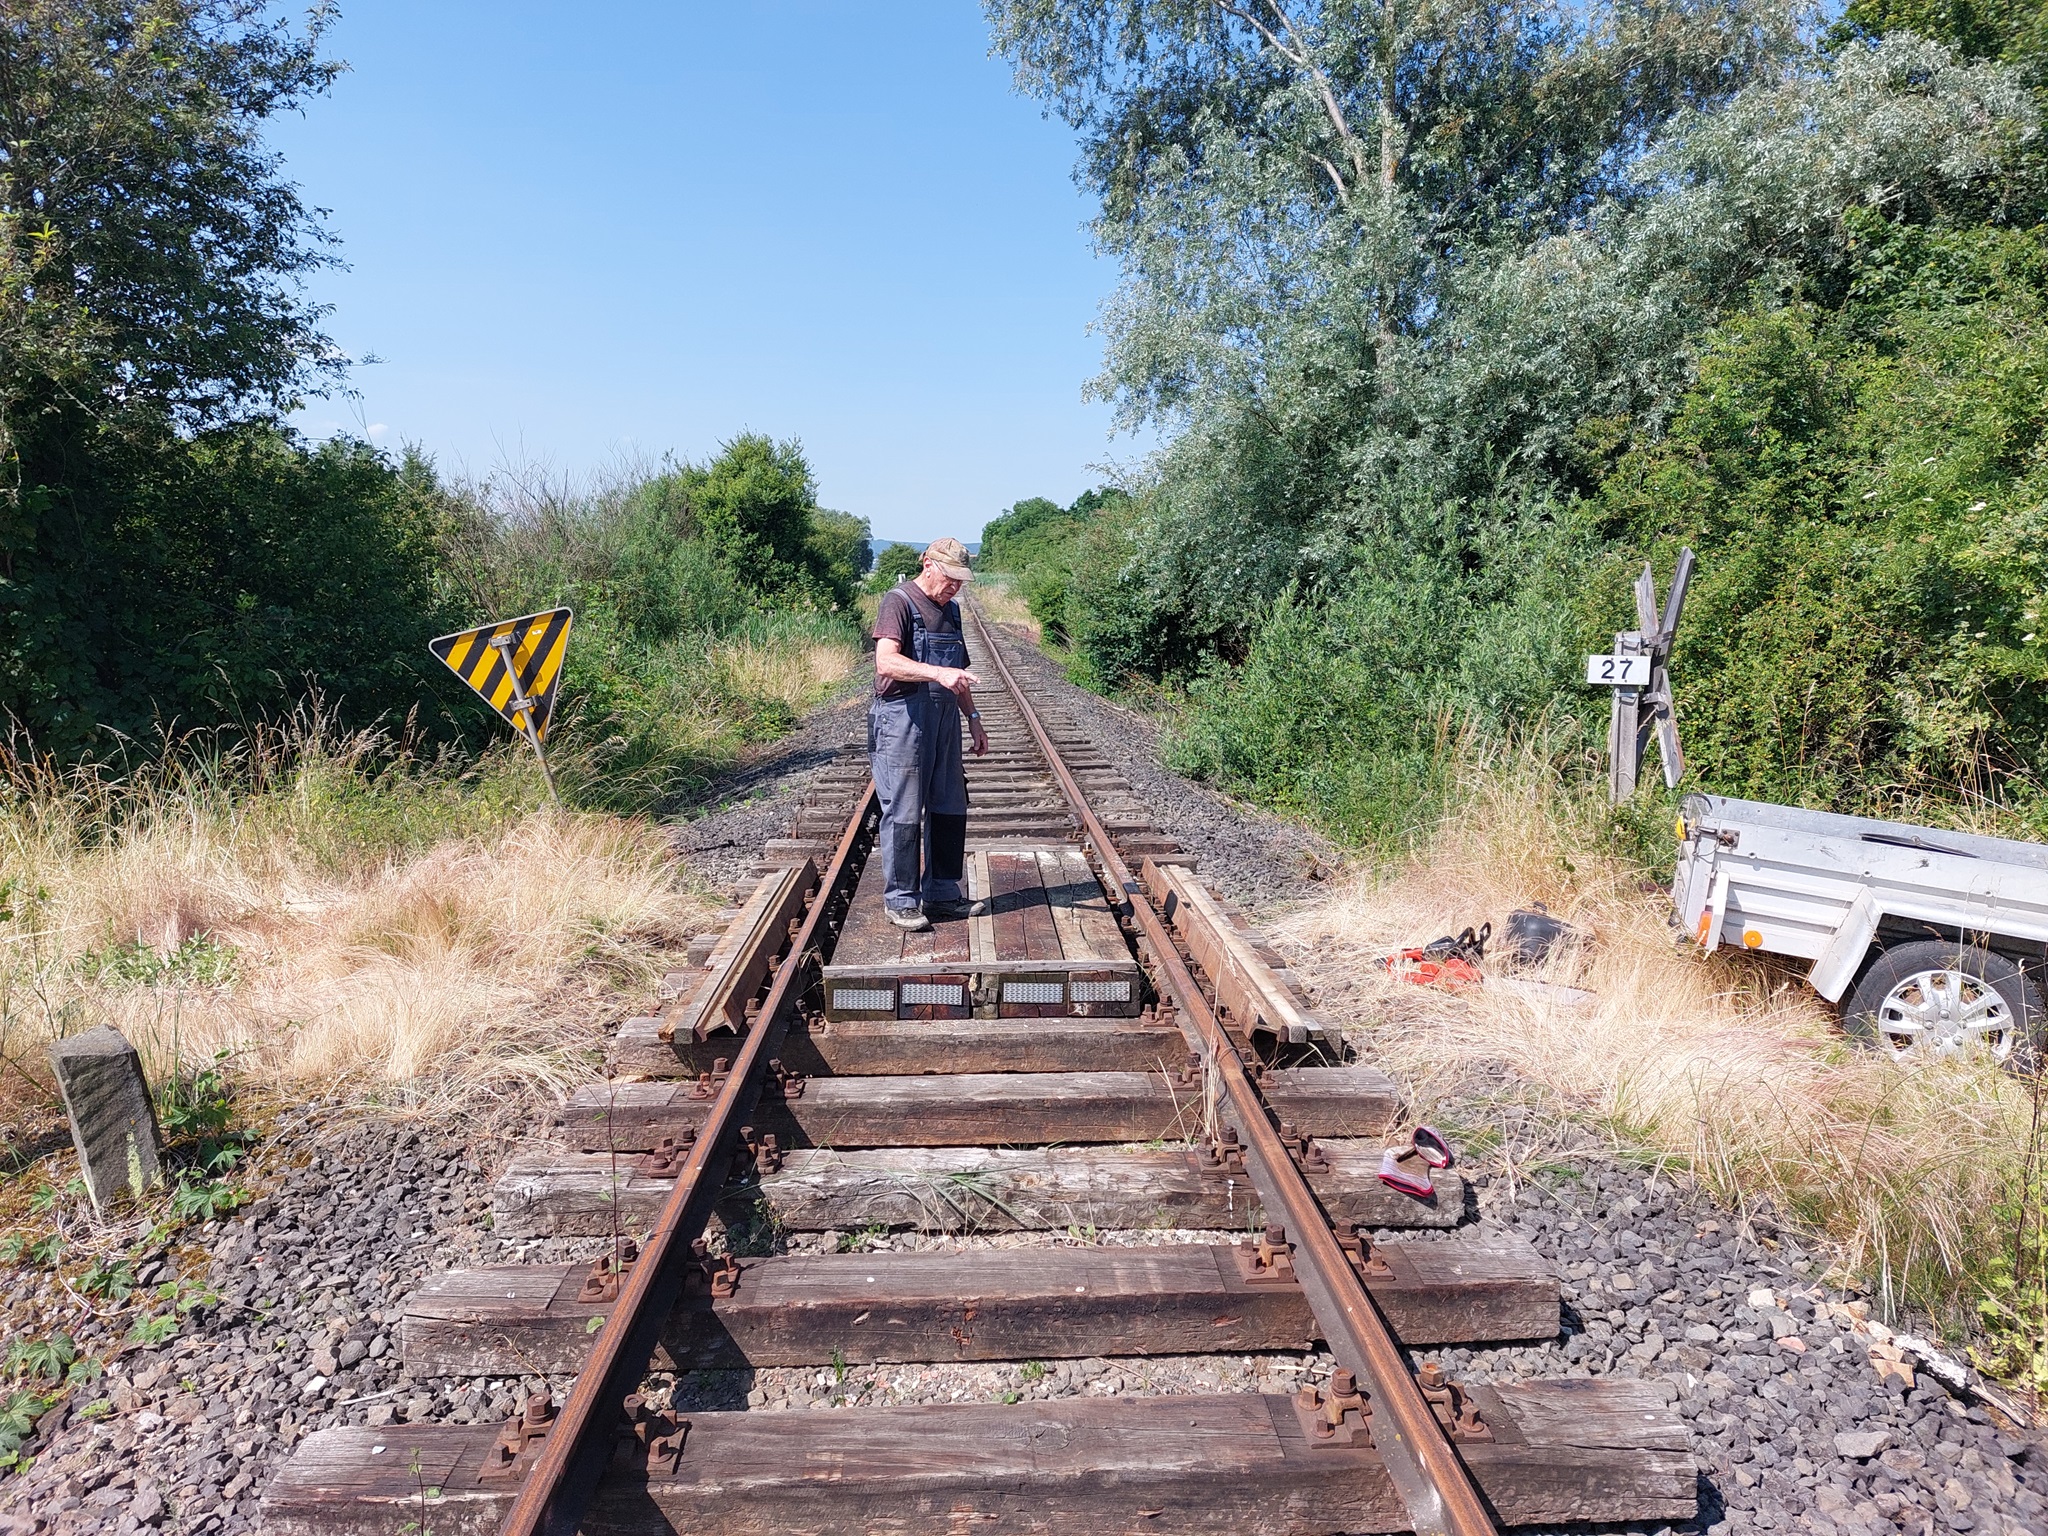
column 1040, row 542
column 1866, row 489
column 1005, row 539
column 893, row 564
column 2008, row 31
column 149, row 245
column 839, row 548
column 757, row 507
column 167, row 552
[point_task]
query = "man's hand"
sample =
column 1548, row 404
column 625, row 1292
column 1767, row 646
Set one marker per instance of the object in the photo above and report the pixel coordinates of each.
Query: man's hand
column 957, row 681
column 978, row 736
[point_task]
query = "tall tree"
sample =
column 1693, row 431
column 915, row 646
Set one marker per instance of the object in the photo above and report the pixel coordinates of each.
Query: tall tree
column 167, row 550
column 149, row 245
column 1256, row 158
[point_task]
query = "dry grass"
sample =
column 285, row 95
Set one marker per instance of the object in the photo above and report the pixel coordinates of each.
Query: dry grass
column 1725, row 1067
column 1004, row 604
column 795, row 675
column 394, row 940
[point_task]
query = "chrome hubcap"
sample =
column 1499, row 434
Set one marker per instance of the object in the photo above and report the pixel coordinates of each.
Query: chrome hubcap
column 1942, row 1013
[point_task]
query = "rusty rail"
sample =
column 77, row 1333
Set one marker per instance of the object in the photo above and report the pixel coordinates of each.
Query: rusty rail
column 1433, row 1482
column 582, row 1439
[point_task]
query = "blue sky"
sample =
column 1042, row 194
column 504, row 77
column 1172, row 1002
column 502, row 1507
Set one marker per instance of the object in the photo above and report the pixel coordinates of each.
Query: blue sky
column 580, row 236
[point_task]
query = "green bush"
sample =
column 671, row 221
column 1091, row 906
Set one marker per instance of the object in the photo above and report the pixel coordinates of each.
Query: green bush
column 893, row 564
column 166, row 582
column 1867, row 491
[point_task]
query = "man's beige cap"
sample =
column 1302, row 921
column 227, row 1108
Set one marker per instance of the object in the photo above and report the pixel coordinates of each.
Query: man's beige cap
column 950, row 555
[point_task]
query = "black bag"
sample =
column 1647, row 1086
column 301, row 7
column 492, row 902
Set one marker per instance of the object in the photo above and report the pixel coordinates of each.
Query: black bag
column 1531, row 934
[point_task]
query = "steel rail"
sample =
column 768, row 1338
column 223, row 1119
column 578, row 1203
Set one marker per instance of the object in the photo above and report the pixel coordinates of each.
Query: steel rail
column 581, row 1441
column 1432, row 1481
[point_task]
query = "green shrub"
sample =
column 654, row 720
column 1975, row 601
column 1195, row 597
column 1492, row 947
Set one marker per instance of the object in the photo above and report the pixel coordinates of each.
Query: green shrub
column 1867, row 491
column 220, row 577
column 893, row 564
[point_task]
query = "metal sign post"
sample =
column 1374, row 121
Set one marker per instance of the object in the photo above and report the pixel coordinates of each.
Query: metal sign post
column 1639, row 673
column 523, row 713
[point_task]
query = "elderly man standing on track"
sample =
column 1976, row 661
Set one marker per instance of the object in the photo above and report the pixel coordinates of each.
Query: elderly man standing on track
column 922, row 686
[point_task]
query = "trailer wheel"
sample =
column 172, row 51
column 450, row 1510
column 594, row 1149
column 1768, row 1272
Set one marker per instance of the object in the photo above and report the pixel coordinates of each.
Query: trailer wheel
column 1935, row 997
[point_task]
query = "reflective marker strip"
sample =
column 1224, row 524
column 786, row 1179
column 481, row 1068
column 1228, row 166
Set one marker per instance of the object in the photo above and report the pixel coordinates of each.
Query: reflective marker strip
column 1033, row 992
column 1101, row 991
column 864, row 998
column 950, row 996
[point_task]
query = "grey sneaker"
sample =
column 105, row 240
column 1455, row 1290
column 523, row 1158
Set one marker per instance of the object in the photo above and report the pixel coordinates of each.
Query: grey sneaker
column 909, row 919
column 955, row 909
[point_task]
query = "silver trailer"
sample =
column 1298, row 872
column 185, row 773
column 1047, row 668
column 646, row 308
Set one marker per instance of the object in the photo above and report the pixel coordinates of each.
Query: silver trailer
column 1930, row 940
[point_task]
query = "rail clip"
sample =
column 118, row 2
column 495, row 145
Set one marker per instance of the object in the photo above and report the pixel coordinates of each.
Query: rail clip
column 1339, row 1417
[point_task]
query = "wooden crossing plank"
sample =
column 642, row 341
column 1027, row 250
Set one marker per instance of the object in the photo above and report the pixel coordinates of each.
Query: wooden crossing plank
column 1041, row 933
column 1565, row 1453
column 546, row 1192
column 1092, row 916
column 977, row 1109
column 1013, row 884
column 867, row 934
column 1244, row 980
column 1022, row 957
column 1027, row 1304
column 895, row 1047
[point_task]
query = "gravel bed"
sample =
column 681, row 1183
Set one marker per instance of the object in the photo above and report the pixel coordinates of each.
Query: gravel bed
column 311, row 1277
column 1771, row 1368
column 724, row 830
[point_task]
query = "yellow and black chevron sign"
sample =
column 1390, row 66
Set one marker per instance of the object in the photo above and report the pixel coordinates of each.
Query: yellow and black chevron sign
column 527, row 650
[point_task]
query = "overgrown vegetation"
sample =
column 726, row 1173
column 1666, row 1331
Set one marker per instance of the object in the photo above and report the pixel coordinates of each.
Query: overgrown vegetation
column 1049, row 552
column 173, row 557
column 300, row 912
column 1928, row 1180
column 1455, row 314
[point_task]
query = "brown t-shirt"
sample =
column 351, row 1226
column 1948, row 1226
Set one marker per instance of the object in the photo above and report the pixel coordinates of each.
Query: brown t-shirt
column 892, row 622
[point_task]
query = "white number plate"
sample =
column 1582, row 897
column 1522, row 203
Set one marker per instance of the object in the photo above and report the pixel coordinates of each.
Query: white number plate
column 1618, row 671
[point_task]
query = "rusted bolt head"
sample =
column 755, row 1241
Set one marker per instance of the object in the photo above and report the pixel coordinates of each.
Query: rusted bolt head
column 1194, row 1061
column 540, row 1408
column 1276, row 1237
column 721, row 1065
column 768, row 1142
column 689, row 1135
column 1431, row 1375
column 1342, row 1382
column 629, row 1250
column 701, row 1247
column 1288, row 1131
column 1229, row 1137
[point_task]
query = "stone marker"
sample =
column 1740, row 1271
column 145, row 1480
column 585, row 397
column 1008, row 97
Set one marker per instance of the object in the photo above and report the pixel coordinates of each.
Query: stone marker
column 113, row 1124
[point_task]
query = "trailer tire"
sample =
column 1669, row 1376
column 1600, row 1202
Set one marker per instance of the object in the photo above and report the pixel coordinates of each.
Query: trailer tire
column 1939, row 997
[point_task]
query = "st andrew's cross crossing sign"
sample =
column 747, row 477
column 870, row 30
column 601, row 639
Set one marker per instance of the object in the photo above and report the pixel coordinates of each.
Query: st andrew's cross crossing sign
column 514, row 667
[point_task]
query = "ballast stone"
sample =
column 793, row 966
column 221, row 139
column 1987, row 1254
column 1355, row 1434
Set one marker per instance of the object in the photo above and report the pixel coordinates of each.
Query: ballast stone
column 1862, row 1444
column 113, row 1123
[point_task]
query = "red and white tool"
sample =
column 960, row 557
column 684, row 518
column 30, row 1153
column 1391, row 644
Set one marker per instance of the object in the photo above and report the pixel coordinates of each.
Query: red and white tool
column 1425, row 1146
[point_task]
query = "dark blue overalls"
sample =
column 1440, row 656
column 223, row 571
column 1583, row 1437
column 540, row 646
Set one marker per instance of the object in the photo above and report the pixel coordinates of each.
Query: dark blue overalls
column 914, row 754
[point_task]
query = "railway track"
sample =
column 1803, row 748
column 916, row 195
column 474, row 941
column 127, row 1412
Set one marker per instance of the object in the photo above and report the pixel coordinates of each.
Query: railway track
column 1109, row 1048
